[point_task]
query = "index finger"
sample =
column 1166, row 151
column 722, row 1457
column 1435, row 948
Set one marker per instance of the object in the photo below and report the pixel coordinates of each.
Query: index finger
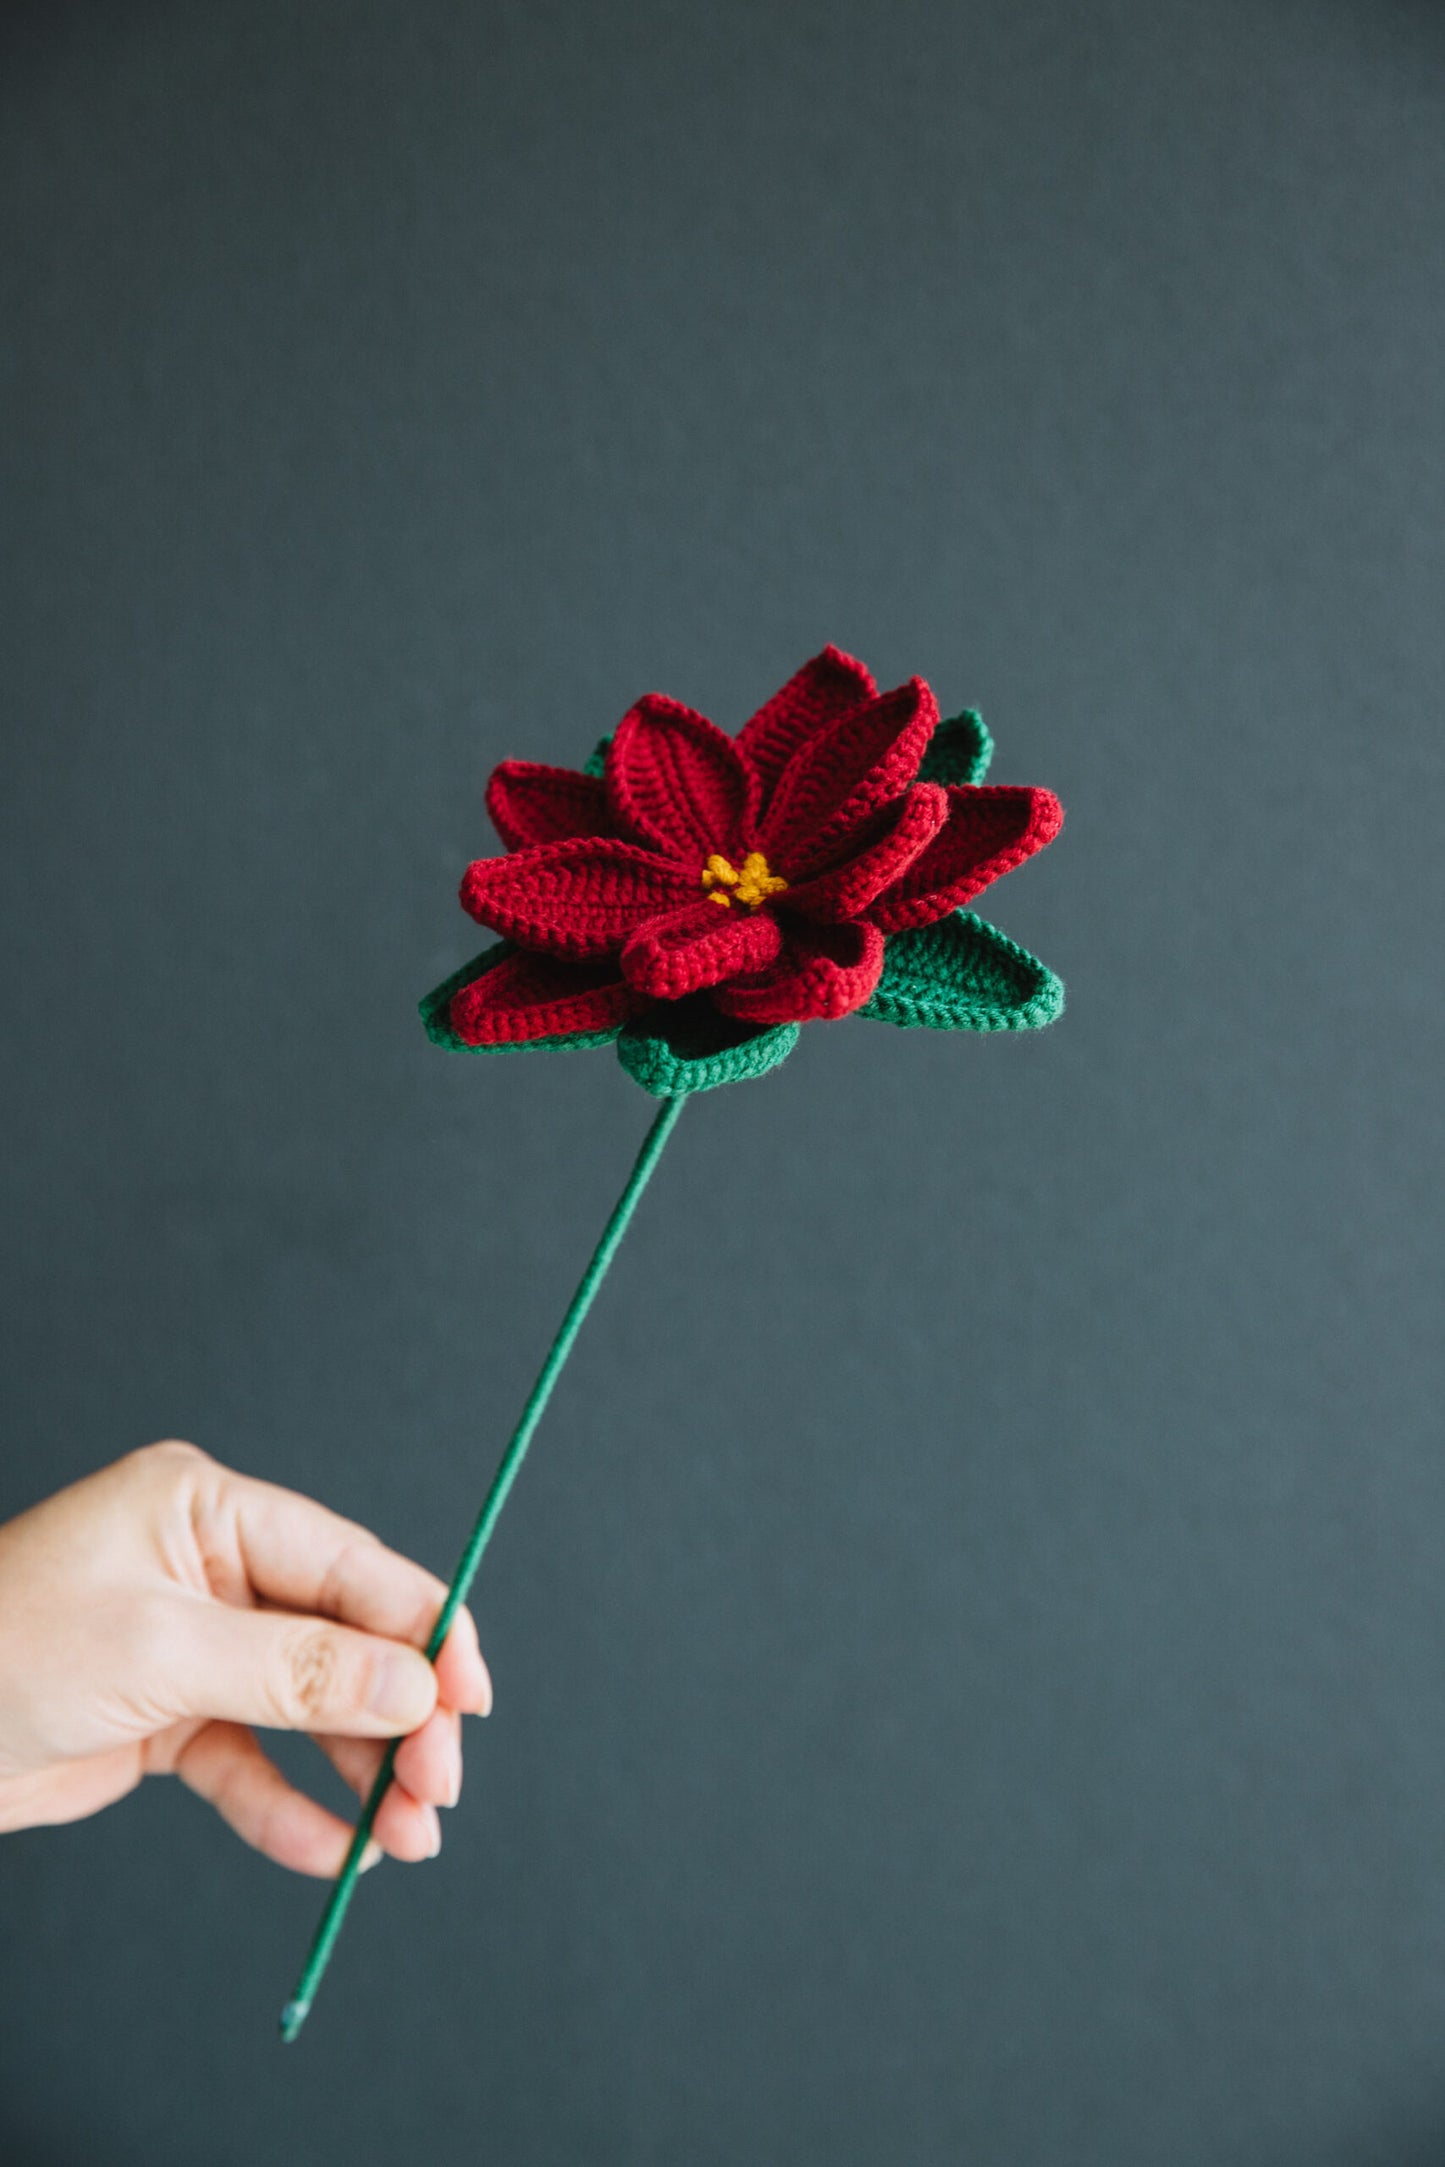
column 304, row 1557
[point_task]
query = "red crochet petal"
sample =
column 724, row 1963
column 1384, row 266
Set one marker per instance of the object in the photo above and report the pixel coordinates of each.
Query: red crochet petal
column 581, row 897
column 823, row 689
column 699, row 946
column 835, row 780
column 531, row 803
column 991, row 828
column 823, row 971
column 675, row 780
column 900, row 832
column 525, row 997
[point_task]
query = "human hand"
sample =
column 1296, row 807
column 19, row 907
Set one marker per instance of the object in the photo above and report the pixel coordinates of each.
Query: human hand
column 151, row 1613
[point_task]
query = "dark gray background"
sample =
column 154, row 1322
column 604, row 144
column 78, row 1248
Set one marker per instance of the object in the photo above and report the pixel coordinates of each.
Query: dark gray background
column 970, row 1641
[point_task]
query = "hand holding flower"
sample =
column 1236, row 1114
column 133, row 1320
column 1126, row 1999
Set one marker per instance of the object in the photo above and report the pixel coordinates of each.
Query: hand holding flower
column 154, row 1612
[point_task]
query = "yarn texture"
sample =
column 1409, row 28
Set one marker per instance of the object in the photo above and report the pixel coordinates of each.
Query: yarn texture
column 964, row 975
column 694, row 898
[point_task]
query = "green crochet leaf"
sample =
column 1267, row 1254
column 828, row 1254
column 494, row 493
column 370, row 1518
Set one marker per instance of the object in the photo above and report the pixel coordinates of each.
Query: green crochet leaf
column 683, row 1046
column 596, row 761
column 963, row 975
column 438, row 1024
column 958, row 751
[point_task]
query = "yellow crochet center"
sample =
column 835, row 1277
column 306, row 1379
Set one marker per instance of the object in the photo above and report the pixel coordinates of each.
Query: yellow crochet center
column 750, row 884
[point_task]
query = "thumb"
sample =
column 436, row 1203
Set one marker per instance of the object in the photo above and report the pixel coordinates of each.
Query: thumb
column 298, row 1674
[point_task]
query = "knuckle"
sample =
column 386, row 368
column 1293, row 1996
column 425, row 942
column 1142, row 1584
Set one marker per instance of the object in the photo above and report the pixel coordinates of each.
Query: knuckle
column 330, row 1597
column 174, row 1448
column 169, row 1457
column 345, row 1574
column 314, row 1675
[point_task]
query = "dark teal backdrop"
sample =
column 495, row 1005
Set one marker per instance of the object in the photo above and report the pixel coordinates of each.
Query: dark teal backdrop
column 970, row 1640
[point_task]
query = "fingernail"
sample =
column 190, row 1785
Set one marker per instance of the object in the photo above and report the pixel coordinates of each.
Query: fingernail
column 436, row 1831
column 370, row 1857
column 484, row 1705
column 454, row 1771
column 392, row 1690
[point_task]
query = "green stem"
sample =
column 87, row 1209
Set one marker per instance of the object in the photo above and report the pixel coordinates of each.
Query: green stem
column 294, row 2015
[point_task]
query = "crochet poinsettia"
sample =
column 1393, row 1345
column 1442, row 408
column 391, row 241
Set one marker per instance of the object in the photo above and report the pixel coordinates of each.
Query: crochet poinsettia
column 696, row 897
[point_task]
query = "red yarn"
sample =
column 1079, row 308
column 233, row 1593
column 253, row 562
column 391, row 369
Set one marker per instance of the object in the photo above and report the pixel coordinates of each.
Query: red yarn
column 991, row 828
column 764, row 869
column 699, row 946
column 828, row 686
column 526, row 996
column 675, row 781
column 576, row 898
column 904, row 830
column 530, row 803
column 851, row 768
column 824, row 971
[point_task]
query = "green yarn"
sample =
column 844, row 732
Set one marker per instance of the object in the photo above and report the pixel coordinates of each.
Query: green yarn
column 679, row 1047
column 963, row 975
column 294, row 2015
column 959, row 751
column 438, row 1023
column 596, row 761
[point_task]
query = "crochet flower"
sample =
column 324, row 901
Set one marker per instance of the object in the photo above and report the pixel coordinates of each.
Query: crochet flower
column 697, row 897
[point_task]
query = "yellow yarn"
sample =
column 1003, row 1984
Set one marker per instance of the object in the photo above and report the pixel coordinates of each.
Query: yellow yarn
column 751, row 885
